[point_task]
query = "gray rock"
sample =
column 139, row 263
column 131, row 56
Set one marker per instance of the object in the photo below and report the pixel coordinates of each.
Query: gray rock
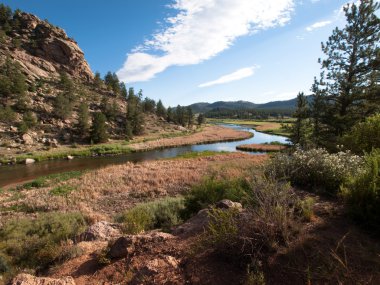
column 29, row 161
column 126, row 245
column 228, row 204
column 102, row 231
column 27, row 279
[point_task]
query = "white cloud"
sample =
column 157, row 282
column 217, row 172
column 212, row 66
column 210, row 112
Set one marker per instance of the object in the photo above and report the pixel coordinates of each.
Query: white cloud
column 318, row 25
column 234, row 76
column 201, row 30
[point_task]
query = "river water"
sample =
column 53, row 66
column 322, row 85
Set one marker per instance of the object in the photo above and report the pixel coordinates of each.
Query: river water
column 20, row 173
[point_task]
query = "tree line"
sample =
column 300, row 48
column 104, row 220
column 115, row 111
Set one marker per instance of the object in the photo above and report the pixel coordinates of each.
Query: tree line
column 347, row 90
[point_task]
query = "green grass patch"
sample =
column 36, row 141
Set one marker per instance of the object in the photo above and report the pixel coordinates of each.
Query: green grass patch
column 101, row 149
column 62, row 190
column 45, row 181
column 196, row 154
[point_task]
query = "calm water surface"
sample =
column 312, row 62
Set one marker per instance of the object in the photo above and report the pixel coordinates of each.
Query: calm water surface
column 21, row 173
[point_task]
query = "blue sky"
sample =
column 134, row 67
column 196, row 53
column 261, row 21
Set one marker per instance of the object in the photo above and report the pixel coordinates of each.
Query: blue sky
column 186, row 51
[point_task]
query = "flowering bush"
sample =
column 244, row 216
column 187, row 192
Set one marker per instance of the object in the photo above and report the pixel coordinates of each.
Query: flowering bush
column 315, row 168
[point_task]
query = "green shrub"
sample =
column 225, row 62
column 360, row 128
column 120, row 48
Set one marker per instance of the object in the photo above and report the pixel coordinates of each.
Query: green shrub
column 212, row 190
column 362, row 193
column 364, row 136
column 315, row 169
column 36, row 243
column 222, row 231
column 62, row 190
column 7, row 115
column 47, row 180
column 152, row 215
column 306, row 208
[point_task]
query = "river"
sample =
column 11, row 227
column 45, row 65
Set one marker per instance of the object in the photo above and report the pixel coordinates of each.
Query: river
column 20, row 173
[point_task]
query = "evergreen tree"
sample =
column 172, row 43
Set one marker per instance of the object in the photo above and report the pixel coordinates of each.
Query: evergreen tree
column 170, row 115
column 83, row 126
column 99, row 129
column 128, row 130
column 65, row 83
column 98, row 82
column 299, row 130
column 134, row 113
column 123, row 91
column 62, row 106
column 351, row 70
column 189, row 116
column 160, row 109
column 201, row 119
column 148, row 105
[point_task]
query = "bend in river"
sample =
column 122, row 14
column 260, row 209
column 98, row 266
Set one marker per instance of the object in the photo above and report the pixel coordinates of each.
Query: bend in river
column 20, row 173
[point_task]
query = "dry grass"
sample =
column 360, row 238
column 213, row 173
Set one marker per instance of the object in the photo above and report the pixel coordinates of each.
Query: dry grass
column 260, row 147
column 102, row 193
column 208, row 135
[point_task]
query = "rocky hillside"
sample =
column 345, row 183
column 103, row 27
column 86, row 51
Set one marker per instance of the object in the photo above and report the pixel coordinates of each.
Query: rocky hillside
column 49, row 95
column 43, row 50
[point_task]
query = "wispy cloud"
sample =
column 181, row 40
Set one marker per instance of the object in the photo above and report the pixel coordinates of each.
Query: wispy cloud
column 234, row 76
column 318, row 25
column 201, row 30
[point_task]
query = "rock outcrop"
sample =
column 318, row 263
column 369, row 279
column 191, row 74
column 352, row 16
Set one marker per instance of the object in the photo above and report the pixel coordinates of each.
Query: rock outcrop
column 27, row 279
column 101, row 231
column 44, row 50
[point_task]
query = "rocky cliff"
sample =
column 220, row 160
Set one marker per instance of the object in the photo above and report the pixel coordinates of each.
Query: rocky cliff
column 44, row 50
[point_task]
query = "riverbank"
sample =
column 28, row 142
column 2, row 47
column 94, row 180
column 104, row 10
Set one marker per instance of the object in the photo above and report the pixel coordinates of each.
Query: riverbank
column 261, row 147
column 206, row 134
column 100, row 194
column 274, row 127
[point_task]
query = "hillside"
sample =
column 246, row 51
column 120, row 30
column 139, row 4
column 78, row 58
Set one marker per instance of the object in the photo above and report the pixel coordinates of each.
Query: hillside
column 49, row 93
column 286, row 105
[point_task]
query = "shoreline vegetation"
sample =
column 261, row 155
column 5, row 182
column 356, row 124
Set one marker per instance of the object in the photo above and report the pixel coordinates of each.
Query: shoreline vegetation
column 204, row 135
column 261, row 147
column 270, row 126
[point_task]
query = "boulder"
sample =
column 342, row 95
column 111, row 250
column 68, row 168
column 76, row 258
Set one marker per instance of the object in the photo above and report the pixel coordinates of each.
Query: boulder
column 27, row 279
column 228, row 204
column 27, row 139
column 70, row 157
column 29, row 161
column 126, row 245
column 101, row 231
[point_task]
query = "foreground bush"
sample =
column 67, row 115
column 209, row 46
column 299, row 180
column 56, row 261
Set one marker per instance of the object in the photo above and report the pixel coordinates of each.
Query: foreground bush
column 362, row 193
column 36, row 243
column 315, row 168
column 152, row 215
column 270, row 219
column 364, row 136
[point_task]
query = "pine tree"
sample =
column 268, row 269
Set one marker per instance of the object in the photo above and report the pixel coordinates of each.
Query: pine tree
column 98, row 129
column 170, row 115
column 350, row 69
column 299, row 130
column 201, row 119
column 62, row 106
column 83, row 126
column 189, row 116
column 160, row 109
column 98, row 82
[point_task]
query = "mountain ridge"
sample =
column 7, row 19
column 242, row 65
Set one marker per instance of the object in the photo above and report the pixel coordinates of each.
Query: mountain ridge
column 203, row 107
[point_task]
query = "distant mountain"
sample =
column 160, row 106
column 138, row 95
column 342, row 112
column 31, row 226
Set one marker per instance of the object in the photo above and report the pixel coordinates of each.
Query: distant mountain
column 236, row 105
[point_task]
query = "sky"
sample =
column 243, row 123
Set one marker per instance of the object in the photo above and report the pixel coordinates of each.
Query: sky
column 187, row 51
